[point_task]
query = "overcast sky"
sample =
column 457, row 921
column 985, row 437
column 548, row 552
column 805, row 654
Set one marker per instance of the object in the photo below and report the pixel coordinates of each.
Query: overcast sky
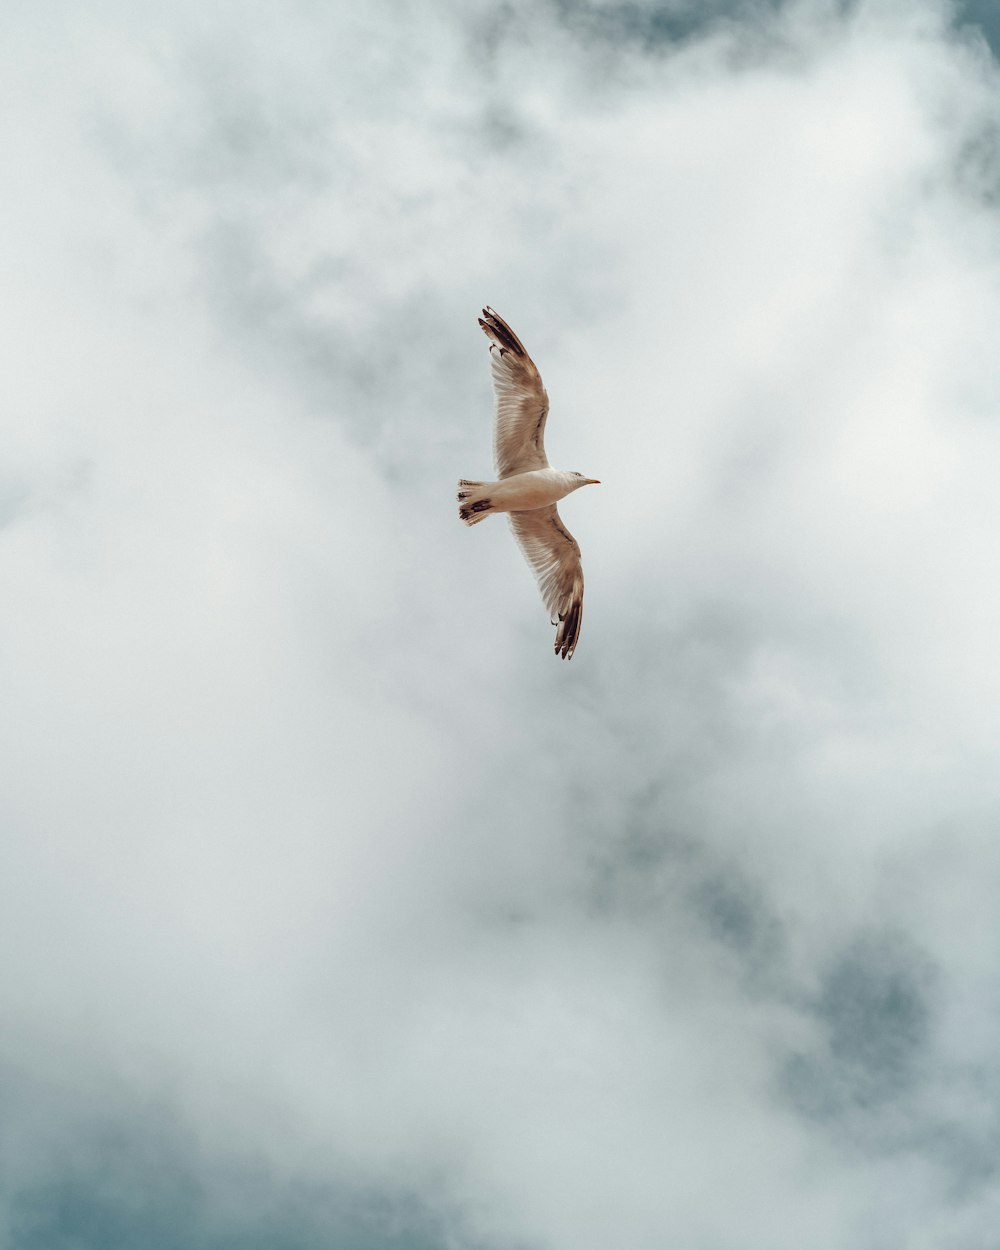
column 335, row 913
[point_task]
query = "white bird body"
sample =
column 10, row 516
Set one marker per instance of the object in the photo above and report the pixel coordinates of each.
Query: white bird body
column 527, row 487
column 527, row 491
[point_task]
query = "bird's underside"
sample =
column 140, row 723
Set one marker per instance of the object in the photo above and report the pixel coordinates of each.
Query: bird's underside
column 527, row 487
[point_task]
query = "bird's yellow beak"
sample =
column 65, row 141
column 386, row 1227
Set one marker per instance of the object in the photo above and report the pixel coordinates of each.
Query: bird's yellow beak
column 593, row 481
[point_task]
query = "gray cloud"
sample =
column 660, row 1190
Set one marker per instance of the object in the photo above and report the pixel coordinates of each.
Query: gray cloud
column 874, row 1008
column 118, row 1175
column 981, row 17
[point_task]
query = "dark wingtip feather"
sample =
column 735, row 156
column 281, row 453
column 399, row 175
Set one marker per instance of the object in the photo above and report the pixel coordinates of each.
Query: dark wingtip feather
column 496, row 328
column 569, row 630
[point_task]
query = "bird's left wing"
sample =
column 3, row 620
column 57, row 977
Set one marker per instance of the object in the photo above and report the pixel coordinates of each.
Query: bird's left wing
column 521, row 402
column 554, row 556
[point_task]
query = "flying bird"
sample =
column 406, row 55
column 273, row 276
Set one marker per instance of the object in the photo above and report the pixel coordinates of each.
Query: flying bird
column 528, row 488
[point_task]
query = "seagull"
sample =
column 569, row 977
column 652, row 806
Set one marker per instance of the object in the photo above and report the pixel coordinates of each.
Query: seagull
column 528, row 488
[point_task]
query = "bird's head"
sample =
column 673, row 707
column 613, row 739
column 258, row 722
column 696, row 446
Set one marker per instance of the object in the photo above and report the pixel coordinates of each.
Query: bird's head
column 579, row 480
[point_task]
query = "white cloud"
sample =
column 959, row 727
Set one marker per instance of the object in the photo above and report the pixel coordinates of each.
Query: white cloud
column 304, row 823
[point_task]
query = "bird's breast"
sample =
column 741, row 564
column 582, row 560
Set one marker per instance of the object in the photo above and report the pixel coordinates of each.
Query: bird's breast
column 523, row 492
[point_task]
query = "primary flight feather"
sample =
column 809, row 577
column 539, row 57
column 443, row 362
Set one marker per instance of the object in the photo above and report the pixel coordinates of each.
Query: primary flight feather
column 528, row 488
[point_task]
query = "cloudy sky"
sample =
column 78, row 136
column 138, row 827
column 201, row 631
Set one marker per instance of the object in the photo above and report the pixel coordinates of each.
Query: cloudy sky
column 335, row 913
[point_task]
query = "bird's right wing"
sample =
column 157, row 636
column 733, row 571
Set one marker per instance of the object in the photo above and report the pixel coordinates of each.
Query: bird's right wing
column 554, row 556
column 521, row 402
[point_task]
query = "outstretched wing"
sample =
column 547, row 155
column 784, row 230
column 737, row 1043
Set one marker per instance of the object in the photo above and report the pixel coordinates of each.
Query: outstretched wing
column 521, row 402
column 554, row 556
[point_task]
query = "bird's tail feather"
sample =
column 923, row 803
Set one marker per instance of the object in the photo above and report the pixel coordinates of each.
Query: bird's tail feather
column 475, row 514
column 474, row 504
